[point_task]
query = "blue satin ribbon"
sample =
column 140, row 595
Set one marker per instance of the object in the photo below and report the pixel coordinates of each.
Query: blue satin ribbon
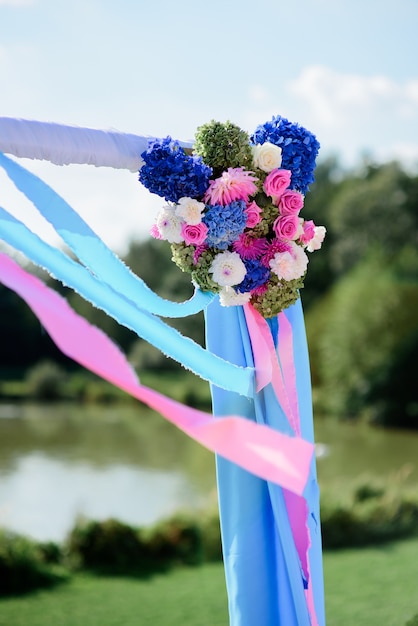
column 167, row 339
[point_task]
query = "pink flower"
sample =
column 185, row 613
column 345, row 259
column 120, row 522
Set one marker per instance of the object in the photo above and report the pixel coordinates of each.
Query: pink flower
column 260, row 291
column 253, row 212
column 277, row 245
column 291, row 202
column 286, row 226
column 276, row 182
column 234, row 184
column 155, row 232
column 194, row 234
column 249, row 247
column 308, row 231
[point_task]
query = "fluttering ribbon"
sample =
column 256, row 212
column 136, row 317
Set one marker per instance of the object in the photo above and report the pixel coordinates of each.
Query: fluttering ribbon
column 269, row 454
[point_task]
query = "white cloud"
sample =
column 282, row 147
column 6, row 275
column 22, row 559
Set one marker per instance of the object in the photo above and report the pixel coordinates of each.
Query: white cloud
column 353, row 114
column 335, row 97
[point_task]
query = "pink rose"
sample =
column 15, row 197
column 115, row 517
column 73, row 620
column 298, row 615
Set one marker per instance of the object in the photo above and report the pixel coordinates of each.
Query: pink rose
column 291, row 202
column 308, row 231
column 194, row 233
column 286, row 226
column 253, row 212
column 276, row 182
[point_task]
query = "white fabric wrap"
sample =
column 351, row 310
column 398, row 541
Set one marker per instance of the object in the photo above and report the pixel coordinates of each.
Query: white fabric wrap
column 63, row 145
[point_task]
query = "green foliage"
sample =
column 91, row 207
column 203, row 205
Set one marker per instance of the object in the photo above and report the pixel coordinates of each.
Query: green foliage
column 45, row 381
column 177, row 540
column 373, row 514
column 25, row 565
column 356, row 338
column 108, row 547
column 413, row 621
column 373, row 210
column 112, row 547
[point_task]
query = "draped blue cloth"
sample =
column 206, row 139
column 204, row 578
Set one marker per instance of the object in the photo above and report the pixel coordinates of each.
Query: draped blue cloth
column 263, row 572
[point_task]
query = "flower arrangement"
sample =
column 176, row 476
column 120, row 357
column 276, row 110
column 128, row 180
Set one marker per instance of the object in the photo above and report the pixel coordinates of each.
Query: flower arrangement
column 233, row 209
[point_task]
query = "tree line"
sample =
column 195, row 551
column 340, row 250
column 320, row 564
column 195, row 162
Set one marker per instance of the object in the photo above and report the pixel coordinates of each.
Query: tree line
column 360, row 298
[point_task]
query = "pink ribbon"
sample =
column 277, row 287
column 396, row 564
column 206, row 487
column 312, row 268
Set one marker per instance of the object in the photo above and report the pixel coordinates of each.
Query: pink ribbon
column 259, row 449
column 278, row 368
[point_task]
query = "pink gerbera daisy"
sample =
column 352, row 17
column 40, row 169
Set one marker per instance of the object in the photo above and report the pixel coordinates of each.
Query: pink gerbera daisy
column 234, row 184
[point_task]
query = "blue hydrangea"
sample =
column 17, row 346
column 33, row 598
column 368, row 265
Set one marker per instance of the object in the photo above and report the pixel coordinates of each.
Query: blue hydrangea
column 171, row 173
column 257, row 274
column 225, row 223
column 299, row 149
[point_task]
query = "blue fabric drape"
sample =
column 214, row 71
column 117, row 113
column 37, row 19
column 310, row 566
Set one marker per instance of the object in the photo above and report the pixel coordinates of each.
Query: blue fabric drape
column 262, row 568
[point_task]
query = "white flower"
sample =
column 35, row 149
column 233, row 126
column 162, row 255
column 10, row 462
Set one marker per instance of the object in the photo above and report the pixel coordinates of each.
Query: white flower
column 267, row 156
column 169, row 225
column 227, row 269
column 229, row 297
column 316, row 241
column 290, row 265
column 190, row 210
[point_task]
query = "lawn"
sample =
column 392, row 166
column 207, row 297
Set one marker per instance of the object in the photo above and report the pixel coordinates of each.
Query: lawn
column 373, row 587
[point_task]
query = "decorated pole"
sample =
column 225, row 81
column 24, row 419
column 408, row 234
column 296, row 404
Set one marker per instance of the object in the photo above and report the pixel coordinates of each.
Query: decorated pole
column 233, row 220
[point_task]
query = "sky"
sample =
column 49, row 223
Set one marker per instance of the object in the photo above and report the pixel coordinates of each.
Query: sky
column 346, row 70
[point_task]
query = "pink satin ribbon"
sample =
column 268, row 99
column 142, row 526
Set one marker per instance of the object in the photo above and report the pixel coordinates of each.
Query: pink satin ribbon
column 278, row 368
column 259, row 449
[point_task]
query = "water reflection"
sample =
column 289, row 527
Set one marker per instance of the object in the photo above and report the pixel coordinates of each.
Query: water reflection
column 57, row 462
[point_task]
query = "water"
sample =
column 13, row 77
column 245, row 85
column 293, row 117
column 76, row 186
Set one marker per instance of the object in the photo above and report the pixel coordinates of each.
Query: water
column 60, row 462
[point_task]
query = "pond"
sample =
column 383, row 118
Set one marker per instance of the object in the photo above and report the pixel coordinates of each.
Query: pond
column 58, row 462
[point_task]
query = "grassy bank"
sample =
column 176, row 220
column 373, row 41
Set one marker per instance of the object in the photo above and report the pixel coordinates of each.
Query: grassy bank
column 364, row 587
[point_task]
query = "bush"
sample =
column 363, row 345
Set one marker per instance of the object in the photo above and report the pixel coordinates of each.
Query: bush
column 177, row 540
column 108, row 547
column 413, row 621
column 371, row 515
column 45, row 381
column 24, row 566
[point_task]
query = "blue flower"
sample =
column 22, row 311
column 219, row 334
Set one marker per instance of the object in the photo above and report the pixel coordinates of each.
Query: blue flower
column 172, row 174
column 257, row 274
column 225, row 223
column 299, row 149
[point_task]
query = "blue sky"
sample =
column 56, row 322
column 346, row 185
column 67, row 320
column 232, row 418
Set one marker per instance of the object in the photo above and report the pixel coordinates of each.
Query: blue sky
column 347, row 70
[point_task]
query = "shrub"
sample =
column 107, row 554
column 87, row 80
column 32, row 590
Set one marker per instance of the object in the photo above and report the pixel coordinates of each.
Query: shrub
column 372, row 515
column 24, row 567
column 177, row 540
column 45, row 381
column 108, row 547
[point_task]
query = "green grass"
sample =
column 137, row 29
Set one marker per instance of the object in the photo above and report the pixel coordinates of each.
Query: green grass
column 373, row 587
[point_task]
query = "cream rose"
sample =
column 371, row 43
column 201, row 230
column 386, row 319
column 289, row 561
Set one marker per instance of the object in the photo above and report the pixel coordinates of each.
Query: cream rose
column 267, row 156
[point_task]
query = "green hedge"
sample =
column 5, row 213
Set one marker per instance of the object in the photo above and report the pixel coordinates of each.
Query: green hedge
column 26, row 565
column 369, row 514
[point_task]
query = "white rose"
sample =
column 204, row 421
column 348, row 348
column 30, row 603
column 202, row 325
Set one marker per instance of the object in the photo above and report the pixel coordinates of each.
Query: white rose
column 190, row 210
column 228, row 269
column 267, row 156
